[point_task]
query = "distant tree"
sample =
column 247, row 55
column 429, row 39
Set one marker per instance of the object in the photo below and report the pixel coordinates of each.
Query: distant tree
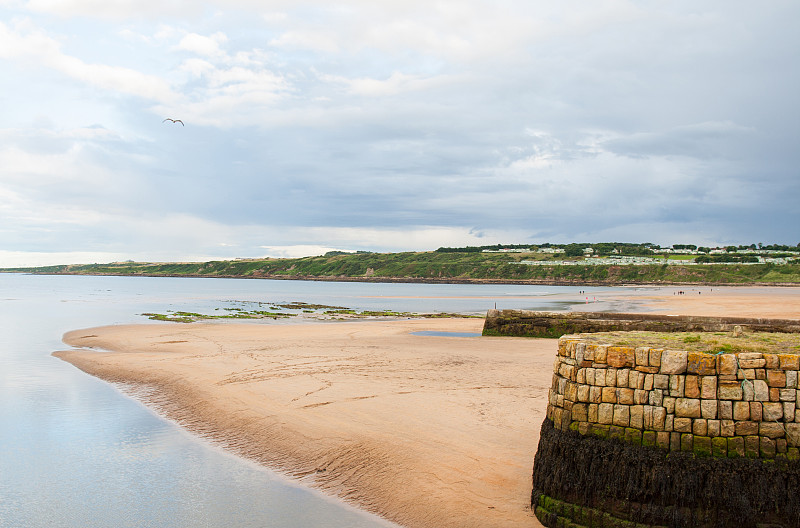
column 573, row 250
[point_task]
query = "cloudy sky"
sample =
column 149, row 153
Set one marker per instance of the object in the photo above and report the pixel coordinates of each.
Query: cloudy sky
column 392, row 125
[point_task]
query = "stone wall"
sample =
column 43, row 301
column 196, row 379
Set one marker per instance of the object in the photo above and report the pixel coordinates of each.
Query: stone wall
column 725, row 406
column 524, row 323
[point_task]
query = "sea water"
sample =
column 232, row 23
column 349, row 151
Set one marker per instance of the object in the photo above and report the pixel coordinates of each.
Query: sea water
column 76, row 452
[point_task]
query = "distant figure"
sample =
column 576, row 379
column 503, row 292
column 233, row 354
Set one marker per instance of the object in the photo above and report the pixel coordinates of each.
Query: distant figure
column 173, row 120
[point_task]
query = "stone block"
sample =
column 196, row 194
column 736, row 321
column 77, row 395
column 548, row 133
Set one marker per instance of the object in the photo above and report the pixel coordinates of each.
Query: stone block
column 761, row 390
column 748, row 390
column 789, row 411
column 580, row 412
column 605, row 413
column 648, row 416
column 793, row 434
column 609, row 395
column 642, row 355
column 641, row 397
column 752, row 446
column 767, row 448
column 700, row 427
column 701, row 363
column 648, row 382
column 600, row 430
column 595, row 394
column 789, row 361
column 648, row 370
column 714, row 428
column 771, row 361
column 746, row 428
column 791, row 379
column 583, row 393
column 719, row 447
column 661, row 381
column 669, row 422
column 611, row 377
column 675, row 441
column 637, row 416
column 633, row 379
column 593, row 412
column 656, row 397
column 633, row 436
column 669, row 404
column 708, row 387
column 599, row 377
column 620, row 356
column 580, row 351
column 616, row 432
column 571, row 392
column 751, row 360
column 600, row 353
column 787, row 395
column 625, row 396
column 687, row 408
column 662, row 439
column 772, row 411
column 622, row 415
column 736, row 447
column 673, row 362
column 622, row 377
column 726, row 364
column 687, row 442
column 749, row 374
column 776, row 378
column 677, row 383
column 702, row 446
column 725, row 409
column 682, row 425
column 649, row 438
column 708, row 409
column 581, row 376
column 588, row 354
column 691, row 387
column 584, row 428
column 771, row 430
column 741, row 410
column 756, row 411
column 760, row 374
column 781, row 445
column 655, row 357
column 659, row 418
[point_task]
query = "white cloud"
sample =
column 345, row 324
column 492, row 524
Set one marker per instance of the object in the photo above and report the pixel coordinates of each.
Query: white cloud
column 202, row 45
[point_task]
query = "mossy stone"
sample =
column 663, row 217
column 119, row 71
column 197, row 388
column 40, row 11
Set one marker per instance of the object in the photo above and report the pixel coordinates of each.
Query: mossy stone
column 719, row 447
column 633, row 435
column 616, row 432
column 649, row 438
column 702, row 446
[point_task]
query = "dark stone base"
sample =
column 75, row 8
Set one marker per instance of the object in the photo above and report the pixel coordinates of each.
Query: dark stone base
column 523, row 323
column 584, row 481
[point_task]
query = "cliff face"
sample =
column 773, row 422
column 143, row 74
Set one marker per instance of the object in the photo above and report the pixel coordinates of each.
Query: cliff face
column 642, row 437
column 523, row 323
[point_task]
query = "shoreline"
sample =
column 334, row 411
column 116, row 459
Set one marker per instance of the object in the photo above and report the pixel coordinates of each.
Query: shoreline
column 424, row 280
column 423, row 431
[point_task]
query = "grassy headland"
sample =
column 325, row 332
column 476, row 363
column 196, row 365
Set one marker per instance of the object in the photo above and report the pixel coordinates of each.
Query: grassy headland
column 439, row 266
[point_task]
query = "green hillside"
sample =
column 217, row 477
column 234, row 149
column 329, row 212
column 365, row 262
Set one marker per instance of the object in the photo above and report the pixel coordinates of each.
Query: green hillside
column 443, row 266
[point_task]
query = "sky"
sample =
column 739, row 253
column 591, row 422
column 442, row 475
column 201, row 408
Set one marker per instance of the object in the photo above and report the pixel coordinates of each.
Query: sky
column 311, row 126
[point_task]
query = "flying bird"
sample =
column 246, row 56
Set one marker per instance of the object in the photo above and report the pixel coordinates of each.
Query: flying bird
column 174, row 121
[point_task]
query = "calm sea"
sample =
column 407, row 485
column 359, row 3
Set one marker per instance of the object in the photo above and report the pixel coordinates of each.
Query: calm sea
column 75, row 452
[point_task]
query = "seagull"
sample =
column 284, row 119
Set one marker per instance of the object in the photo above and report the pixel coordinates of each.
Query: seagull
column 174, row 121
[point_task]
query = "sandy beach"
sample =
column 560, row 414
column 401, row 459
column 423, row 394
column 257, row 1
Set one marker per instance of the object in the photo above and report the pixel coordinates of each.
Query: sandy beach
column 427, row 431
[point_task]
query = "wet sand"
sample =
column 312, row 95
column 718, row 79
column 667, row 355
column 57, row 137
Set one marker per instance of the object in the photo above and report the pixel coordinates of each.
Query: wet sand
column 425, row 431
